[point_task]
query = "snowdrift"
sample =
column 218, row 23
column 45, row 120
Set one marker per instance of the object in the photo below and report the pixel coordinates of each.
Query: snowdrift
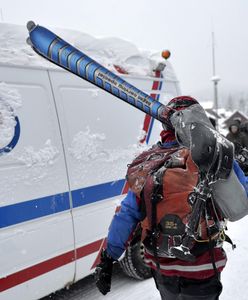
column 108, row 51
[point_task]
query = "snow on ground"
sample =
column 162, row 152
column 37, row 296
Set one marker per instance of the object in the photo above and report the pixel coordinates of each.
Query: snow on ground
column 234, row 277
column 123, row 288
column 108, row 51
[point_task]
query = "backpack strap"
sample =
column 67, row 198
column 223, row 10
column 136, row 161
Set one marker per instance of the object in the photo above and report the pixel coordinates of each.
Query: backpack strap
column 156, row 197
column 183, row 251
column 211, row 244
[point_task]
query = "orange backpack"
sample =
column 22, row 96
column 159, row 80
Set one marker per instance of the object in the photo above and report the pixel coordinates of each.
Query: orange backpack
column 165, row 180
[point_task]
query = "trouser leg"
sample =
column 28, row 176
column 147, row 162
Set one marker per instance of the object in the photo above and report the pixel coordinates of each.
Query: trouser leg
column 166, row 295
column 168, row 287
column 179, row 288
column 208, row 289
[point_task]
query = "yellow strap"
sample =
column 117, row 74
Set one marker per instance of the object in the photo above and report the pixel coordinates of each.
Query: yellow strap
column 220, row 235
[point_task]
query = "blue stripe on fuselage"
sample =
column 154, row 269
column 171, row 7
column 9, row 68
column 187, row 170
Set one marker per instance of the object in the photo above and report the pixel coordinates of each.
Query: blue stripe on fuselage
column 29, row 210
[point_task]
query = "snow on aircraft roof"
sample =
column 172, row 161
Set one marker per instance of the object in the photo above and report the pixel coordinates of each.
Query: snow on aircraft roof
column 114, row 53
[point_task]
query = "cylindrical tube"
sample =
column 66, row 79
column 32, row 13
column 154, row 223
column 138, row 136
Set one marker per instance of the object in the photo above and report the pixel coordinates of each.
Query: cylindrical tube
column 58, row 51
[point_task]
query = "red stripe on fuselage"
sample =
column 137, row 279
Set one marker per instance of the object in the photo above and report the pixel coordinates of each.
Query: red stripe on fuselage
column 88, row 249
column 155, row 85
column 47, row 266
column 98, row 258
column 125, row 188
column 147, row 120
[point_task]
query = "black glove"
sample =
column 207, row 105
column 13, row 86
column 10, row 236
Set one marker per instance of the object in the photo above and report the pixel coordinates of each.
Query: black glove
column 103, row 273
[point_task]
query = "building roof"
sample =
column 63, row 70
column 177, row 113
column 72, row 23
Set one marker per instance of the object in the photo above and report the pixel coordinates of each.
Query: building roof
column 235, row 115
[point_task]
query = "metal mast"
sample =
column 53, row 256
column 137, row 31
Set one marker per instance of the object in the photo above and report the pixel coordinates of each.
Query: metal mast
column 215, row 79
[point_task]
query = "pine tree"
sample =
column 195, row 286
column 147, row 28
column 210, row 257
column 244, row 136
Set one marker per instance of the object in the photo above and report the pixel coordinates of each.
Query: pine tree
column 230, row 103
column 242, row 105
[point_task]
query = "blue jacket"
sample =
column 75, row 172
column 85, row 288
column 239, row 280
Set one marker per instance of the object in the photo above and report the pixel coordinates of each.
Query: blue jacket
column 126, row 220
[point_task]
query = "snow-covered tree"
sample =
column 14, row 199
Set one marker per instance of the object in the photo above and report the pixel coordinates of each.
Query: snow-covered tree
column 230, row 104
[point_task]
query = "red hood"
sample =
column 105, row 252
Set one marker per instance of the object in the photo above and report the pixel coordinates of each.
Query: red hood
column 167, row 136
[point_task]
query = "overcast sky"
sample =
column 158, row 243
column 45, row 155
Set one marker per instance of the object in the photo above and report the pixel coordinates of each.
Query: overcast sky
column 183, row 26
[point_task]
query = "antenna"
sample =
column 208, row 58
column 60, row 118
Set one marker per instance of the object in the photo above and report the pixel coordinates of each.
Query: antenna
column 215, row 79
